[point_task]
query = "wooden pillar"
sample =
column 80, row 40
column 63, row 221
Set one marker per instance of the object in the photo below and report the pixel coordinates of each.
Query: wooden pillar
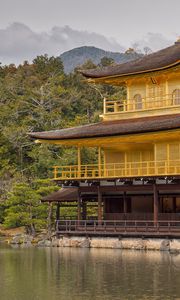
column 49, row 219
column 127, row 107
column 156, row 204
column 167, row 93
column 84, row 210
column 104, row 106
column 124, row 203
column 99, row 162
column 79, row 206
column 104, row 172
column 174, row 204
column 58, row 211
column 79, row 162
column 104, row 209
column 125, row 165
column 99, row 205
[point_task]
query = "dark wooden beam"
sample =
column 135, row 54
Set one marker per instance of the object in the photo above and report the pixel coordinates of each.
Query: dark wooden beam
column 129, row 188
column 90, row 204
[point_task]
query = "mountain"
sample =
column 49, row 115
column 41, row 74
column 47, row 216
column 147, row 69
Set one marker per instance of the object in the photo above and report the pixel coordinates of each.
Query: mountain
column 78, row 56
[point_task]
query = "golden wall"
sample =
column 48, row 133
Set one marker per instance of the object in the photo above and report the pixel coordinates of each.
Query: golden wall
column 146, row 96
column 158, row 152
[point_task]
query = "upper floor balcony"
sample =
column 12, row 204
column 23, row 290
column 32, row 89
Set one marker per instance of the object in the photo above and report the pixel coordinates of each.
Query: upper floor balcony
column 141, row 107
column 118, row 170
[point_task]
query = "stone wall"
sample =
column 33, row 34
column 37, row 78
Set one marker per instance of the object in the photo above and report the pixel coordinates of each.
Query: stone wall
column 116, row 243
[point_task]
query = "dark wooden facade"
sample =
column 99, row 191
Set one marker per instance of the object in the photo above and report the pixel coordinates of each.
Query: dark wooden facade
column 137, row 208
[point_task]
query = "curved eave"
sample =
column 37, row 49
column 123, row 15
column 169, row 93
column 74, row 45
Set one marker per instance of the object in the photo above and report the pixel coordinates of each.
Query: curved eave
column 109, row 129
column 107, row 141
column 161, row 60
column 122, row 78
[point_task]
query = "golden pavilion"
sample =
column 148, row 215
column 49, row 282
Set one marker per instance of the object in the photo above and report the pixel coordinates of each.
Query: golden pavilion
column 135, row 184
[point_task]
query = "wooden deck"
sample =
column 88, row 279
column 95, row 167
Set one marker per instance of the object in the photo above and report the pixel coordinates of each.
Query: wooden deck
column 119, row 228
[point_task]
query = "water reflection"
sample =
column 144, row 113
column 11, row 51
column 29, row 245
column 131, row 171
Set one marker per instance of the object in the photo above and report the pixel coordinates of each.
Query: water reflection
column 70, row 273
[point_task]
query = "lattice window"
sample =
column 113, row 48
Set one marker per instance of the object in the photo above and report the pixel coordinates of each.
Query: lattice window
column 156, row 94
column 161, row 152
column 176, row 97
column 174, row 151
column 138, row 101
column 134, row 156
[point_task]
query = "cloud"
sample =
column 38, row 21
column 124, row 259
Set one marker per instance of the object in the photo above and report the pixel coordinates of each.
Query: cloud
column 19, row 42
column 154, row 41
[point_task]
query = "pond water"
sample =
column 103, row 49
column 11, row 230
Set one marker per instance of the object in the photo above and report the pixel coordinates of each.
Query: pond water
column 88, row 274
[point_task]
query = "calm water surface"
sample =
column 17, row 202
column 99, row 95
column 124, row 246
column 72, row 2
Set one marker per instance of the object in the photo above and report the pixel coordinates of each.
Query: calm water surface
column 88, row 274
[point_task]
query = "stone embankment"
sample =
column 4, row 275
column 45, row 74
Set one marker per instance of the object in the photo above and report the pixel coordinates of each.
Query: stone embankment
column 172, row 245
column 160, row 244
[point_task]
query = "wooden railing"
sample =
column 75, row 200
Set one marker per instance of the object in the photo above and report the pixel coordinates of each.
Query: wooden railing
column 124, row 227
column 148, row 103
column 118, row 170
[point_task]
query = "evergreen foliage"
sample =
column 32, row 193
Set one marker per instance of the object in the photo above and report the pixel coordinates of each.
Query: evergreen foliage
column 40, row 97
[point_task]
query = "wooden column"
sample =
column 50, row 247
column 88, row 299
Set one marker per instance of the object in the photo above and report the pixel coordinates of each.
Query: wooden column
column 58, row 211
column 99, row 161
column 125, row 164
column 161, row 205
column 99, row 205
column 127, row 107
column 174, row 204
column 79, row 206
column 104, row 209
column 79, row 162
column 84, row 210
column 124, row 203
column 49, row 220
column 104, row 106
column 156, row 204
column 167, row 92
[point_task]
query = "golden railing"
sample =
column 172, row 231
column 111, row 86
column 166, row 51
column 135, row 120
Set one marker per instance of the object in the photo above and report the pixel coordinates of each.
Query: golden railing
column 121, row 106
column 118, row 170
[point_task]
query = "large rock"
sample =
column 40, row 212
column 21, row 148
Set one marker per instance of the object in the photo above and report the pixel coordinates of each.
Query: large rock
column 165, row 245
column 21, row 239
column 105, row 242
column 175, row 246
column 55, row 242
column 153, row 244
column 17, row 239
column 85, row 243
column 44, row 243
column 134, row 243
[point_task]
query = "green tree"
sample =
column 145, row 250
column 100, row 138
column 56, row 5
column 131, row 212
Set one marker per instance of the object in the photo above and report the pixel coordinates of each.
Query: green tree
column 40, row 97
column 25, row 208
column 106, row 61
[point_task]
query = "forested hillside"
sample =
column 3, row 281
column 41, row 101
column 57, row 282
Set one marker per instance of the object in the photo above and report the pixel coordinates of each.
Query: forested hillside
column 78, row 56
column 38, row 97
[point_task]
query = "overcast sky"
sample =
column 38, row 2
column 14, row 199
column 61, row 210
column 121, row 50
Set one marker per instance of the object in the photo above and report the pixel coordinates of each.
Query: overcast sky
column 31, row 27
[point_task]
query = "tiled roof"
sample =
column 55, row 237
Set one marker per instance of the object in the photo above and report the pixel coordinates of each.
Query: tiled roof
column 112, row 128
column 159, row 60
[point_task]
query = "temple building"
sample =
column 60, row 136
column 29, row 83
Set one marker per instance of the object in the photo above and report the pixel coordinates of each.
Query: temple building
column 135, row 186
